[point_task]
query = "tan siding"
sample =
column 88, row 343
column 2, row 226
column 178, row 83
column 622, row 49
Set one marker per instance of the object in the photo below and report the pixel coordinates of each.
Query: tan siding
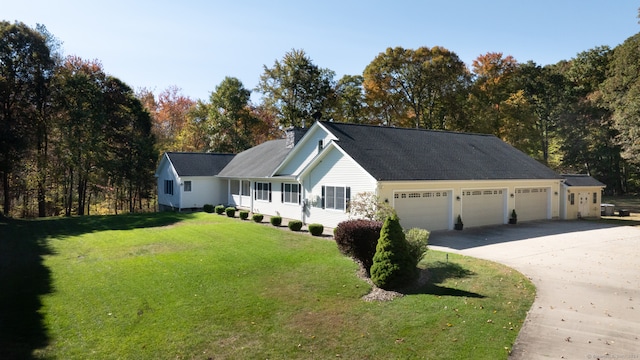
column 386, row 190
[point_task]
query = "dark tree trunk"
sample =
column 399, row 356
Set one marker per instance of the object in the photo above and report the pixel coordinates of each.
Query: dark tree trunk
column 68, row 205
column 7, row 196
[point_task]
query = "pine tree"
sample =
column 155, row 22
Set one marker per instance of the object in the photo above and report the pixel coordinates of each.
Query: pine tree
column 392, row 264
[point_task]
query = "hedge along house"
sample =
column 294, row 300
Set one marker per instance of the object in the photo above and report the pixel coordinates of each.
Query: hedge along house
column 429, row 177
column 252, row 185
column 188, row 180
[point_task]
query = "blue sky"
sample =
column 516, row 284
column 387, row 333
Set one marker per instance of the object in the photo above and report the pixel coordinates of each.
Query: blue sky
column 194, row 44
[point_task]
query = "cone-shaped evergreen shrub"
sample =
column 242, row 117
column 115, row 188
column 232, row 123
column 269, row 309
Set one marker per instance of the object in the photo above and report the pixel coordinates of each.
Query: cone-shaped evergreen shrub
column 392, row 266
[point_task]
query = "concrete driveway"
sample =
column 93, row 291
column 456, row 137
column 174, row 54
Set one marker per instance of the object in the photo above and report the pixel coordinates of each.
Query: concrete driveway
column 587, row 276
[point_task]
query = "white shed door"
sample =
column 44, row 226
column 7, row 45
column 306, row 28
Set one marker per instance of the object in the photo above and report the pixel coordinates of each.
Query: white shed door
column 532, row 203
column 483, row 207
column 423, row 209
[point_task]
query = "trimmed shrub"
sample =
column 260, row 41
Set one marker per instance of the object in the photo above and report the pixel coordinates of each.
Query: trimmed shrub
column 220, row 209
column 393, row 265
column 358, row 239
column 276, row 220
column 418, row 241
column 295, row 225
column 244, row 214
column 208, row 208
column 257, row 217
column 230, row 211
column 316, row 229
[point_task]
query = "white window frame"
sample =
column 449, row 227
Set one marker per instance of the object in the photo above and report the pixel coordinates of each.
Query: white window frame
column 292, row 194
column 262, row 191
column 332, row 197
column 187, row 186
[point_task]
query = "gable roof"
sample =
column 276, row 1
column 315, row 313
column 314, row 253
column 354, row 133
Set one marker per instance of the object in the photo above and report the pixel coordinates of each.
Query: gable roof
column 257, row 162
column 198, row 164
column 392, row 154
column 581, row 180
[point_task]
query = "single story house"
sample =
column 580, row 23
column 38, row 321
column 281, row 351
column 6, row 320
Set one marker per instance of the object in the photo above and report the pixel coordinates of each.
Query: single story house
column 188, row 180
column 429, row 177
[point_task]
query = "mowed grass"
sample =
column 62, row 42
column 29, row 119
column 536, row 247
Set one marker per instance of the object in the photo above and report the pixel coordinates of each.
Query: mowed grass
column 205, row 286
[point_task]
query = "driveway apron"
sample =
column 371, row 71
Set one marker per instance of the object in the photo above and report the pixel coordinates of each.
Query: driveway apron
column 587, row 276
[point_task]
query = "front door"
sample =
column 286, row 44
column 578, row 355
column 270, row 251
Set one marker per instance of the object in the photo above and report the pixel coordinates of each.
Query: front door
column 583, row 204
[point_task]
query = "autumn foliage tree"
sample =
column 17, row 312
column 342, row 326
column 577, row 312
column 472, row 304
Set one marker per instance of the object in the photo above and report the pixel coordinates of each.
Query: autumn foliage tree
column 169, row 114
column 416, row 88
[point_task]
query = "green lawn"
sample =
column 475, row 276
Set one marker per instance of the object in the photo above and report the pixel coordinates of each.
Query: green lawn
column 200, row 286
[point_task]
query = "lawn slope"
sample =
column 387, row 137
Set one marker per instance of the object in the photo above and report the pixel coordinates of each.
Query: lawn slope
column 207, row 286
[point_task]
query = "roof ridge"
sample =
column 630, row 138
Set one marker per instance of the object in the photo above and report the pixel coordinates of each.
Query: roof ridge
column 406, row 128
column 197, row 153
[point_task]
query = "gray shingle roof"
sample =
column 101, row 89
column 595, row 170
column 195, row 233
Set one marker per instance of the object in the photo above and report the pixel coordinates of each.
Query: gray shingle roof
column 258, row 162
column 198, row 164
column 389, row 154
column 581, row 180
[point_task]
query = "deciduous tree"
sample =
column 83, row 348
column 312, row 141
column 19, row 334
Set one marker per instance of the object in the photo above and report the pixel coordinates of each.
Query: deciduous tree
column 621, row 93
column 230, row 120
column 350, row 103
column 297, row 89
column 418, row 88
column 26, row 68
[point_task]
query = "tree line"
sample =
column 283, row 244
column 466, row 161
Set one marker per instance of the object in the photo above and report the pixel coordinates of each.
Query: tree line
column 72, row 136
column 576, row 116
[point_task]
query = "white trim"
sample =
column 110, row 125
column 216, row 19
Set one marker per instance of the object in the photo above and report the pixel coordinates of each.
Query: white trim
column 313, row 163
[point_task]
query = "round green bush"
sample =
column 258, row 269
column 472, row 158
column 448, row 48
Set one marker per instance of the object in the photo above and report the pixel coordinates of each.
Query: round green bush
column 295, row 225
column 316, row 229
column 230, row 211
column 357, row 238
column 244, row 214
column 208, row 208
column 257, row 217
column 276, row 220
column 220, row 209
column 418, row 241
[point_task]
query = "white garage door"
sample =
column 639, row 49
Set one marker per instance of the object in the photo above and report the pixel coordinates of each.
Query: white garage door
column 423, row 209
column 532, row 203
column 483, row 207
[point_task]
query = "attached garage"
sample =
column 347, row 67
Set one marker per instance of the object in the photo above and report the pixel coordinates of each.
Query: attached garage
column 532, row 203
column 483, row 207
column 424, row 209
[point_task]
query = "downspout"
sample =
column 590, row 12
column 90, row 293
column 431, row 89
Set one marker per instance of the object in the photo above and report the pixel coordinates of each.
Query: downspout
column 304, row 202
column 251, row 194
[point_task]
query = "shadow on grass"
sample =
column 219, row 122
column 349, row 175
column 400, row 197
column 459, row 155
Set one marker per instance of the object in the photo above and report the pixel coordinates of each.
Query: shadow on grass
column 24, row 278
column 437, row 273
